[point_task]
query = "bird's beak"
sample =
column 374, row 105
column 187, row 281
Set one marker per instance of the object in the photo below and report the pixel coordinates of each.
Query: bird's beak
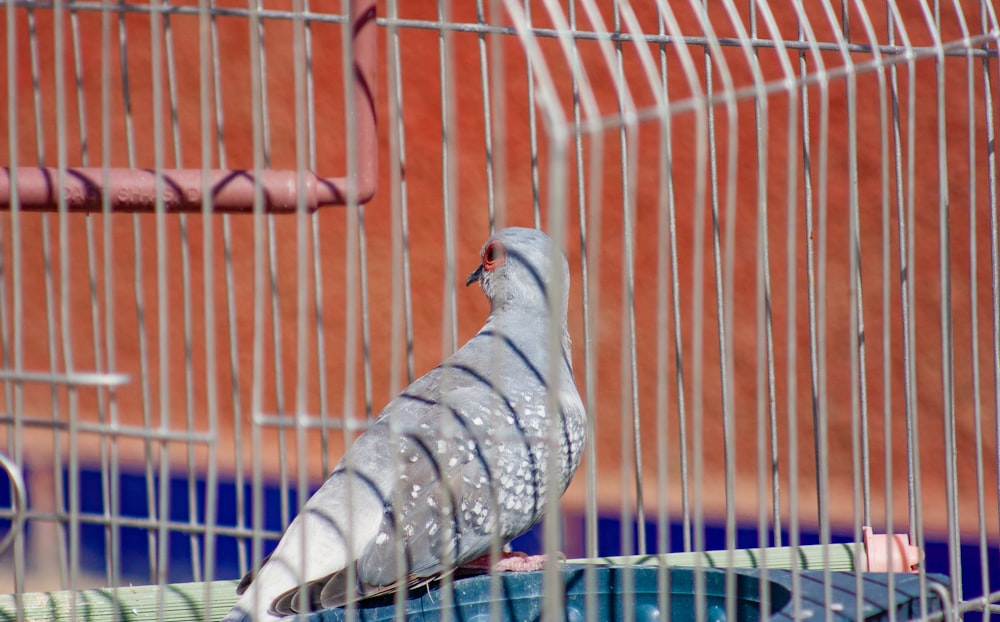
column 474, row 276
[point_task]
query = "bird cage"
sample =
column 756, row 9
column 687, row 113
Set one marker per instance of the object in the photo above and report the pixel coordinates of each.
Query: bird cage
column 231, row 233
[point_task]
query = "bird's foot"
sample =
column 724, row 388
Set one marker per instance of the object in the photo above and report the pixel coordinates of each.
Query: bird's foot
column 515, row 561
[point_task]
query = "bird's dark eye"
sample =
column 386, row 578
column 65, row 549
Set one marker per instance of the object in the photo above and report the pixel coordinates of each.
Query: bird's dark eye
column 494, row 255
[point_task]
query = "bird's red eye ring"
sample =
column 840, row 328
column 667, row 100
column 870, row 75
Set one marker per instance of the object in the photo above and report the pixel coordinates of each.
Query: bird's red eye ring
column 494, row 255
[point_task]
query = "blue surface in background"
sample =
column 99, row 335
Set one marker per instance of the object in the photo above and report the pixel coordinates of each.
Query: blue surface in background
column 134, row 562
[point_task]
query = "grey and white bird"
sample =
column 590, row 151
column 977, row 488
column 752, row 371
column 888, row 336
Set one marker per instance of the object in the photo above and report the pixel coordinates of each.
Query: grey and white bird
column 458, row 458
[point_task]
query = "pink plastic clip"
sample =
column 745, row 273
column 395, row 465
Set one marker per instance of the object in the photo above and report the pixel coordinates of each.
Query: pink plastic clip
column 905, row 557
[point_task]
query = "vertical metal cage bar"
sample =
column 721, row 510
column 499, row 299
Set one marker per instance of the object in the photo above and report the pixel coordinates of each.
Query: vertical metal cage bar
column 989, row 19
column 666, row 285
column 402, row 308
column 15, row 432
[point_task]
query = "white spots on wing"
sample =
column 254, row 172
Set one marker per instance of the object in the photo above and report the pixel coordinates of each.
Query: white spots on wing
column 489, row 452
column 514, row 503
column 476, row 512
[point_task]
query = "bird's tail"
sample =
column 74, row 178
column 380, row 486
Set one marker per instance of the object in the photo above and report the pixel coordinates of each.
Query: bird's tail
column 238, row 614
column 253, row 606
column 321, row 541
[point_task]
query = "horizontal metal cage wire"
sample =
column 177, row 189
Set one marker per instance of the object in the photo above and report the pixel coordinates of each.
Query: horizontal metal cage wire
column 780, row 221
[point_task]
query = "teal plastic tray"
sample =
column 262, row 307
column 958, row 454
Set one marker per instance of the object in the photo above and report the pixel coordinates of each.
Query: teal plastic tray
column 521, row 597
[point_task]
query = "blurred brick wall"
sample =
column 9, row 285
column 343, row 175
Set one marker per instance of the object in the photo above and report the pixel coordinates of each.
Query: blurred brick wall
column 70, row 338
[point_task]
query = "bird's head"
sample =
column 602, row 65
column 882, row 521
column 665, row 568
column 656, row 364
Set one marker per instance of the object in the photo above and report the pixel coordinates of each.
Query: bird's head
column 520, row 268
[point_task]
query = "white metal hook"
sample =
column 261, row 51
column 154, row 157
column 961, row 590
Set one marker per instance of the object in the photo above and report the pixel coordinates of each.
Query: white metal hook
column 20, row 501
